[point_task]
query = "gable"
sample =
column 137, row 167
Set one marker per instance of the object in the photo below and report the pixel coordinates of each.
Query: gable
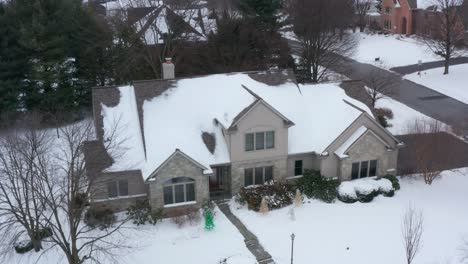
column 178, row 165
column 259, row 113
column 371, row 125
column 366, row 142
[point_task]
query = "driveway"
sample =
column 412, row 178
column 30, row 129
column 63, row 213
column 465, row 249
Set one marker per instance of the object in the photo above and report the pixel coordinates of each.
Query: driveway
column 418, row 97
column 408, row 69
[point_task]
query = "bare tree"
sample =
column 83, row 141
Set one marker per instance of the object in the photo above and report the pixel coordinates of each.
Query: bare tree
column 379, row 85
column 163, row 29
column 412, row 230
column 320, row 26
column 65, row 191
column 448, row 32
column 22, row 155
column 362, row 8
column 464, row 251
column 429, row 150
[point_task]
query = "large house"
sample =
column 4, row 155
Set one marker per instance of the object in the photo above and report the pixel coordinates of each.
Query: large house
column 418, row 17
column 176, row 142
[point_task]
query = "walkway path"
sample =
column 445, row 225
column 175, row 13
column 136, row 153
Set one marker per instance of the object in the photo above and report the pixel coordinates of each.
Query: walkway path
column 408, row 69
column 250, row 239
column 422, row 99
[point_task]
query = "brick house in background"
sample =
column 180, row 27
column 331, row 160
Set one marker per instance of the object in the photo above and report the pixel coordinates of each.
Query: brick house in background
column 408, row 17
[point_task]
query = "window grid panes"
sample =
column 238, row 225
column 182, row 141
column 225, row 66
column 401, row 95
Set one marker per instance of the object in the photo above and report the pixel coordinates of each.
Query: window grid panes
column 259, row 175
column 117, row 188
column 179, row 190
column 364, row 169
column 259, row 140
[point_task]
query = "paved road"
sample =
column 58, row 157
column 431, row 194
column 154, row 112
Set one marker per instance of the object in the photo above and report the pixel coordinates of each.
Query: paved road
column 418, row 97
column 427, row 66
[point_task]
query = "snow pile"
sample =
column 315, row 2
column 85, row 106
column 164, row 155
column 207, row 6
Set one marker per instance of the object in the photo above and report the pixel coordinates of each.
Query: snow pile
column 453, row 84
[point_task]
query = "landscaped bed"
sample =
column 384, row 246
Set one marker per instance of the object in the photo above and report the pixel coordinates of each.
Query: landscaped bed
column 368, row 232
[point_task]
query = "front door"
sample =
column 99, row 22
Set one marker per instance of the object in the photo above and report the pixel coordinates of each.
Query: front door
column 217, row 179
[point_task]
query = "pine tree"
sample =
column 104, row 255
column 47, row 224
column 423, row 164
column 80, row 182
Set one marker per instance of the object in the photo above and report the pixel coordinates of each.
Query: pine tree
column 263, row 11
column 264, row 206
column 209, row 224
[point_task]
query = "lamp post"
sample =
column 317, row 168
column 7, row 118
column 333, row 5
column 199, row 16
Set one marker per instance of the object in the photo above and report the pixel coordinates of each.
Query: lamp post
column 292, row 247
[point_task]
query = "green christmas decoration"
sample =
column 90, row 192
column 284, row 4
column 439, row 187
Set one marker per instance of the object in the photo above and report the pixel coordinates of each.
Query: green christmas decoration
column 209, row 225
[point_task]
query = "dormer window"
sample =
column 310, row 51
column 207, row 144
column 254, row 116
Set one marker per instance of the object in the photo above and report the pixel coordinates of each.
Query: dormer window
column 259, row 140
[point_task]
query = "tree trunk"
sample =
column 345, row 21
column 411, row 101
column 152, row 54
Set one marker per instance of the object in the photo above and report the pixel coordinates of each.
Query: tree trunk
column 446, row 65
column 37, row 244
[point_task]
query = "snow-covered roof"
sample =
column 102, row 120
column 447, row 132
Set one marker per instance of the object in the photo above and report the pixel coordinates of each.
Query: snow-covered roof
column 341, row 151
column 177, row 118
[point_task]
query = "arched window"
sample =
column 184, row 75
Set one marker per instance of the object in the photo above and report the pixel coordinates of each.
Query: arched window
column 179, row 190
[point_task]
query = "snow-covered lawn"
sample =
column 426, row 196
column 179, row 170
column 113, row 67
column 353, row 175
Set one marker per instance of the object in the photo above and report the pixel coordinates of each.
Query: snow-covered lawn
column 167, row 243
column 403, row 116
column 393, row 50
column 455, row 84
column 369, row 233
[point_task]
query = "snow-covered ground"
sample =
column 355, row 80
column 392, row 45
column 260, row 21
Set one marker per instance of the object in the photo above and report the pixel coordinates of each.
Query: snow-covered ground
column 369, row 233
column 455, row 84
column 403, row 116
column 393, row 50
column 167, row 243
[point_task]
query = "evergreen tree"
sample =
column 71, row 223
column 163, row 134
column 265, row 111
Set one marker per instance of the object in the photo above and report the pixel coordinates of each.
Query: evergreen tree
column 379, row 6
column 13, row 64
column 263, row 11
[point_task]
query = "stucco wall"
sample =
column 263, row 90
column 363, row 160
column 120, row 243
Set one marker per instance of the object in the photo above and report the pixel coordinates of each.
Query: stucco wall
column 369, row 147
column 178, row 166
column 309, row 161
column 259, row 119
column 136, row 187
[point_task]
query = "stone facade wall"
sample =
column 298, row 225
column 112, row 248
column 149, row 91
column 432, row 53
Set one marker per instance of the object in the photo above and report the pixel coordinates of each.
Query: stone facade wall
column 237, row 171
column 369, row 147
column 178, row 166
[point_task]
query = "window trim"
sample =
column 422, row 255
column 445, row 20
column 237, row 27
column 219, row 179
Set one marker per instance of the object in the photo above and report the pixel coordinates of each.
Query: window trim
column 296, row 167
column 254, row 136
column 117, row 184
column 254, row 174
column 368, row 168
column 188, row 181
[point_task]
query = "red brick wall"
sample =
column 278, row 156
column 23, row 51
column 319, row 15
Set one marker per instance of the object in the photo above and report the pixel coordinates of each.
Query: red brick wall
column 396, row 17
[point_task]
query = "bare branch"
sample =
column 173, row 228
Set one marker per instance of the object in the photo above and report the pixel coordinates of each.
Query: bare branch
column 412, row 230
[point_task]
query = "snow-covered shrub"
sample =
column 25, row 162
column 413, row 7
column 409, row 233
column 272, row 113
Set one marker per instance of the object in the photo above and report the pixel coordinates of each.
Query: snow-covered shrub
column 394, row 180
column 314, row 185
column 97, row 217
column 23, row 246
column 276, row 194
column 141, row 213
column 346, row 193
column 364, row 190
column 44, row 233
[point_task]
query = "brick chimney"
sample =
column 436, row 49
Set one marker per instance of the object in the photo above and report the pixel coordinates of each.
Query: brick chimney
column 168, row 69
